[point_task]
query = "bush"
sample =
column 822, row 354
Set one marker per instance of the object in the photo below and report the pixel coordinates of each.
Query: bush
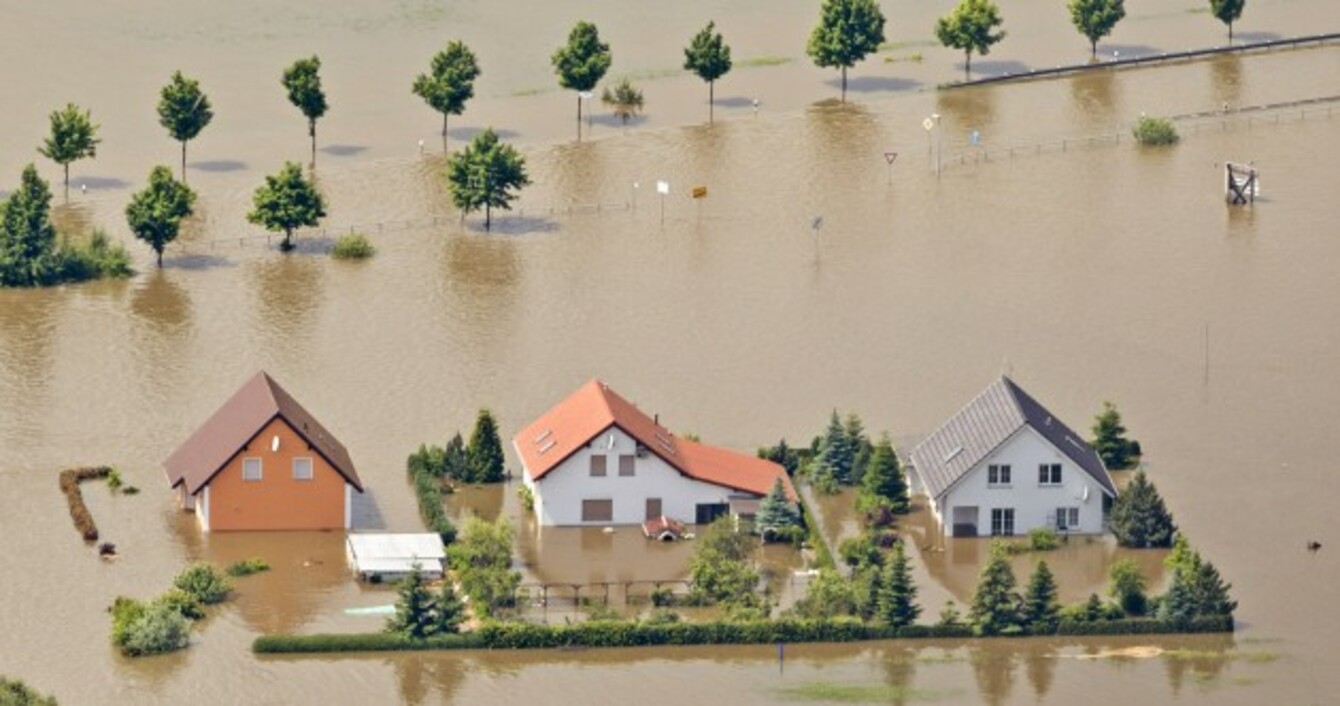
column 361, row 642
column 427, row 467
column 604, row 613
column 661, row 616
column 15, row 693
column 527, row 496
column 184, row 603
column 793, row 535
column 204, row 583
column 662, row 596
column 114, row 481
column 1154, row 131
column 69, row 484
column 96, row 259
column 353, row 246
column 247, row 567
column 139, row 629
column 1043, row 539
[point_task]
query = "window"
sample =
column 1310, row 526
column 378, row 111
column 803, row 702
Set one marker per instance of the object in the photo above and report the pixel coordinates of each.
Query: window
column 597, row 510
column 1049, row 474
column 302, row 469
column 998, row 474
column 597, row 465
column 251, row 469
column 1002, row 522
column 626, row 465
column 653, row 508
column 1067, row 518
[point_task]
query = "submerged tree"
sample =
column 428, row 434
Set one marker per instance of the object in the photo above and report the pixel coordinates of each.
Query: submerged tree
column 995, row 602
column 184, row 110
column 1109, row 439
column 449, row 83
column 302, row 80
column 155, row 214
column 1139, row 518
column 485, row 451
column 625, row 99
column 1096, row 18
column 848, row 30
column 969, row 27
column 581, row 63
column 73, row 136
column 486, row 175
column 897, row 602
column 883, row 487
column 708, row 56
column 287, row 201
column 27, row 237
column 1228, row 12
column 1040, row 608
column 456, row 460
column 775, row 512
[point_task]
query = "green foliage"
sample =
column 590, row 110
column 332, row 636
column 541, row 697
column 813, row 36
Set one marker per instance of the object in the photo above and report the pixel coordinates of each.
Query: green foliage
column 1092, row 610
column 184, row 110
column 1228, row 12
column 352, row 246
column 416, row 609
column 776, row 515
column 624, row 99
column 450, row 81
column 486, row 174
column 114, row 481
column 661, row 616
column 362, row 642
column 848, row 30
column 204, row 583
column 995, row 601
column 1177, row 607
column 247, row 567
column 482, row 559
column 155, row 214
column 720, row 568
column 456, row 461
column 1043, row 539
column 1154, row 131
column 1096, row 18
column 73, row 137
column 604, row 613
column 27, row 237
column 1182, row 557
column 140, row 629
column 950, row 615
column 302, row 80
column 783, row 455
column 583, row 61
column 1208, row 592
column 184, row 603
column 835, row 456
column 527, row 497
column 485, row 451
column 883, row 490
column 1109, row 440
column 823, row 558
column 1126, row 585
column 286, row 201
column 708, row 56
column 15, row 693
column 1139, row 518
column 969, row 27
column 860, row 551
column 1040, row 609
column 426, row 468
column 97, row 258
column 829, row 595
column 897, row 597
column 662, row 596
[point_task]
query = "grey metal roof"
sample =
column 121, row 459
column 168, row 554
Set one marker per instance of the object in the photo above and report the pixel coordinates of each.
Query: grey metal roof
column 1001, row 410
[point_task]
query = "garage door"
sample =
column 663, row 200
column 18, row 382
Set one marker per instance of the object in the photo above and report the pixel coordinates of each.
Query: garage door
column 597, row 510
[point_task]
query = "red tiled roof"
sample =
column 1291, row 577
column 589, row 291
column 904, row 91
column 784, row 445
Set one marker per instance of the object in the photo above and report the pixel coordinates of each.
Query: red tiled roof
column 594, row 407
column 238, row 421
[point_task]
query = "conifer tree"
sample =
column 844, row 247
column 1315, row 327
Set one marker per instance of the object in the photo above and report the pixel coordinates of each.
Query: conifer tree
column 860, row 447
column 897, row 606
column 1093, row 608
column 456, row 460
column 1040, row 607
column 995, row 602
column 1139, row 518
column 1177, row 606
column 775, row 511
column 485, row 450
column 415, row 610
column 1209, row 594
column 1109, row 440
column 883, row 483
column 27, row 236
column 835, row 453
column 449, row 610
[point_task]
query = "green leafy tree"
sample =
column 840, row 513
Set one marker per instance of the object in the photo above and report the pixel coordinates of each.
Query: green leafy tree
column 828, row 595
column 485, row 450
column 1182, row 557
column 27, row 237
column 720, row 569
column 287, row 201
column 302, row 80
column 1126, row 585
column 456, row 461
column 775, row 511
column 449, row 83
column 159, row 628
column 1095, row 19
column 1109, row 439
column 486, row 174
column 1228, row 12
column 883, row 486
column 848, row 30
column 1040, row 609
column 581, row 63
column 416, row 614
column 969, row 27
column 203, row 582
column 15, row 693
column 482, row 560
column 184, row 110
column 835, row 456
column 1139, row 518
column 73, row 137
column 708, row 56
column 155, row 214
column 624, row 99
column 897, row 604
column 995, row 601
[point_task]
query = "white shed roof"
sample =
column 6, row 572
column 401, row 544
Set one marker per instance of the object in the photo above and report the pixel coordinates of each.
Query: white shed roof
column 366, row 549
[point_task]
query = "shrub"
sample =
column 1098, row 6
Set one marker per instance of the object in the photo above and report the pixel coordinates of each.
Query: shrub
column 69, row 484
column 527, row 496
column 95, row 259
column 427, row 467
column 184, row 603
column 114, row 481
column 661, row 616
column 1127, row 586
column 352, row 246
column 361, row 642
column 247, row 567
column 15, row 693
column 793, row 535
column 125, row 611
column 1043, row 539
column 662, row 596
column 604, row 613
column 483, row 561
column 1154, row 131
column 130, row 490
column 140, row 629
column 1139, row 517
column 720, row 567
column 203, row 582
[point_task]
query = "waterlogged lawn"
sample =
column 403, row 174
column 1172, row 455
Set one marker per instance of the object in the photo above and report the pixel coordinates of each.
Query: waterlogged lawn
column 828, row 692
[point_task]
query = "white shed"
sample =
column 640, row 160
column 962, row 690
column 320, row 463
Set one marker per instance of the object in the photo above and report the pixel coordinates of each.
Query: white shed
column 387, row 557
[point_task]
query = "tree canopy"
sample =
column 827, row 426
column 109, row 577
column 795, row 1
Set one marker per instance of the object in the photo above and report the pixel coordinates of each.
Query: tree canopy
column 969, row 27
column 27, row 236
column 485, row 452
column 1109, row 440
column 184, row 110
column 1228, row 12
column 1139, row 518
column 848, row 30
column 582, row 62
column 450, row 81
column 1095, row 19
column 287, row 201
column 883, row 487
column 995, row 601
column 708, row 56
column 486, row 174
column 73, row 136
column 896, row 603
column 624, row 99
column 775, row 511
column 155, row 214
column 302, row 80
column 1040, row 608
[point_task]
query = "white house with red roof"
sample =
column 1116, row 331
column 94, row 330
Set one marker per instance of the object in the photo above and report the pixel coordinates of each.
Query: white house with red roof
column 596, row 459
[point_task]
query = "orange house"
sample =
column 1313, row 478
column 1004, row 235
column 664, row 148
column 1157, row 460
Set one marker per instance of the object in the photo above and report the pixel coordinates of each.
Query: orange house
column 262, row 462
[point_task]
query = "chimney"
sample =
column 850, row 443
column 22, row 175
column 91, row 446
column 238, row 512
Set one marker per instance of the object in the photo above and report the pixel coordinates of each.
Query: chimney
column 656, row 419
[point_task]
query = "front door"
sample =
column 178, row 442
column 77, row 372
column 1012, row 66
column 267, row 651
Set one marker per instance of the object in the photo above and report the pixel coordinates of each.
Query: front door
column 653, row 508
column 709, row 512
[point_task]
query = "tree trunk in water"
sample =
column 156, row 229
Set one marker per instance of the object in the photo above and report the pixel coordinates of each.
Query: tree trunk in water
column 311, row 130
column 1230, row 34
column 579, row 119
column 711, row 101
column 445, row 117
column 183, row 161
column 967, row 65
column 844, row 84
column 488, row 211
column 67, row 178
column 159, row 250
column 1093, row 48
column 287, row 245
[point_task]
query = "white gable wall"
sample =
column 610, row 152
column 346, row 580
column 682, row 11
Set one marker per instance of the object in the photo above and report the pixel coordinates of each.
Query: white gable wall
column 1035, row 505
column 559, row 494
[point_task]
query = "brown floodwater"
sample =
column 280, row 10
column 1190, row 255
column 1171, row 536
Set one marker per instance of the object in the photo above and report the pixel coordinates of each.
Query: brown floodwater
column 1101, row 272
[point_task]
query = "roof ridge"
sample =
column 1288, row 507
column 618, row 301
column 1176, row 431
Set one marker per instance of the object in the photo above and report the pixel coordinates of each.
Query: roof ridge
column 987, row 390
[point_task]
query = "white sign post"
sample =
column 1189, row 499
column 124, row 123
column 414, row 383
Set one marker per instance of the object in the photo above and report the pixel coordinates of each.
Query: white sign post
column 663, row 188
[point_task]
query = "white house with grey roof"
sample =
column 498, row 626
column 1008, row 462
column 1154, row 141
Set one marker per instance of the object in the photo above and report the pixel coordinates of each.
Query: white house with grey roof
column 1004, row 465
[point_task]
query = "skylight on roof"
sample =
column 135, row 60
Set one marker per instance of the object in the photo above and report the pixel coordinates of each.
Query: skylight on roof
column 547, row 433
column 953, row 453
column 548, row 445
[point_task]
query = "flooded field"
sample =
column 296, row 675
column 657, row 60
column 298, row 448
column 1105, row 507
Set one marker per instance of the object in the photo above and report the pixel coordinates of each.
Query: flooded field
column 1103, row 272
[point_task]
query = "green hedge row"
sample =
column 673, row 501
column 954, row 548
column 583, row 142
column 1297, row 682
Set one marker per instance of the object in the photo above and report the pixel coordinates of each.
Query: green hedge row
column 630, row 634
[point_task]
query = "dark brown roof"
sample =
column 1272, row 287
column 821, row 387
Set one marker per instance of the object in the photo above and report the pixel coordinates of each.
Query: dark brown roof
column 238, row 421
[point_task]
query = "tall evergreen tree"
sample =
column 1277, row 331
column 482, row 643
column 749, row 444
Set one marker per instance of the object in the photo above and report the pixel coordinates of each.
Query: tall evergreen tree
column 1177, row 606
column 883, row 484
column 486, row 174
column 184, row 110
column 897, row 603
column 456, row 461
column 775, row 511
column 969, row 27
column 1096, row 18
column 449, row 611
column 1139, row 518
column 1208, row 591
column 995, row 602
column 783, row 455
column 848, row 30
column 155, row 214
column 1109, row 439
column 415, row 611
column 302, row 80
column 859, row 444
column 287, row 201
column 835, row 452
column 708, row 56
column 1228, row 12
column 581, row 63
column 73, row 136
column 1040, row 606
column 27, row 237
column 485, row 450
column 449, row 83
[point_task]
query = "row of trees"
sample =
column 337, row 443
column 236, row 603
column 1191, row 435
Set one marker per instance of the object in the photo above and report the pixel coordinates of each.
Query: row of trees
column 479, row 462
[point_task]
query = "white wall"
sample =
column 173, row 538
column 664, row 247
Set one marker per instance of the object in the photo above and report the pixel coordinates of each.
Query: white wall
column 559, row 494
column 1033, row 503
